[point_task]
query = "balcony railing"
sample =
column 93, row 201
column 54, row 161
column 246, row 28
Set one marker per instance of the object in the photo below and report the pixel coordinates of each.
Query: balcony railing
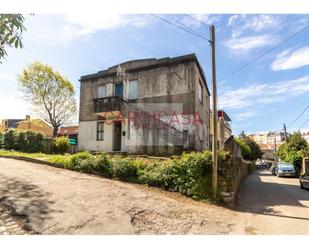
column 108, row 104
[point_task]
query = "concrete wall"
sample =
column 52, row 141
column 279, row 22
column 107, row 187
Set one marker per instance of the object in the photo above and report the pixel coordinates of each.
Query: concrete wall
column 135, row 139
column 87, row 137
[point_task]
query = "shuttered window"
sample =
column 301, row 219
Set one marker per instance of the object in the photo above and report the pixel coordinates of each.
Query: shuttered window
column 132, row 89
column 102, row 91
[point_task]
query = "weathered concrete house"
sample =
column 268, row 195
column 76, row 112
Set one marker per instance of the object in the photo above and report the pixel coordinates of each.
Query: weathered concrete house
column 153, row 106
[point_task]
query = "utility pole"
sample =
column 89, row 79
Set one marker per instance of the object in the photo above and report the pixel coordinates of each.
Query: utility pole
column 285, row 133
column 214, row 113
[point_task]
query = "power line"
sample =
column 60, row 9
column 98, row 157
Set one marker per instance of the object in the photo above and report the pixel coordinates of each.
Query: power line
column 265, row 53
column 180, row 27
column 197, row 20
column 181, row 23
column 302, row 113
column 303, row 124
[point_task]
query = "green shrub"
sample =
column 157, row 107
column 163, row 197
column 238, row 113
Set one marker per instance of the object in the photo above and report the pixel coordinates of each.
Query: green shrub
column 1, row 140
column 61, row 145
column 61, row 161
column 76, row 160
column 124, row 168
column 161, row 175
column 9, row 140
column 186, row 174
column 21, row 142
column 102, row 164
column 34, row 141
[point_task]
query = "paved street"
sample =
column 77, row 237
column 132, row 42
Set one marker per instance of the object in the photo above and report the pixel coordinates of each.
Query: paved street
column 273, row 205
column 57, row 201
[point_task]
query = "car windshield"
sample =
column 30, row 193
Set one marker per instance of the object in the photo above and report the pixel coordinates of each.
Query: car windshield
column 285, row 166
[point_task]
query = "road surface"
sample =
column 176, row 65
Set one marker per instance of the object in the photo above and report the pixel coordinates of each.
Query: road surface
column 58, row 201
column 273, row 205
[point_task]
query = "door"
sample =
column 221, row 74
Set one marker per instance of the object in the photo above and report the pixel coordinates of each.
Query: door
column 119, row 90
column 117, row 136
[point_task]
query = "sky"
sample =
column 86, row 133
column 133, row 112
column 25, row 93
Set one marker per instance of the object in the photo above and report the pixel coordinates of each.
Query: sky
column 262, row 97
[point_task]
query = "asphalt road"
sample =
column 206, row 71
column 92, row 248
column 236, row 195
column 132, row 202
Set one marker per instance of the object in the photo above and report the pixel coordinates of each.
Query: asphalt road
column 58, row 201
column 273, row 205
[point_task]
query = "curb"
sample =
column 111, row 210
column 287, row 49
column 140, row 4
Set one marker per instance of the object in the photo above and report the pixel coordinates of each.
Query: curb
column 38, row 161
column 31, row 160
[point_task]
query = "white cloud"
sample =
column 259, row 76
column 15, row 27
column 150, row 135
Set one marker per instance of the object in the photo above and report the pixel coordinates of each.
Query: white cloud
column 232, row 20
column 252, row 23
column 261, row 22
column 12, row 105
column 245, row 115
column 245, row 44
column 65, row 28
column 90, row 23
column 263, row 94
column 291, row 59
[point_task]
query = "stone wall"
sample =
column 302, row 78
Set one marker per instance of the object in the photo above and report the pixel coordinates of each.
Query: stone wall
column 233, row 173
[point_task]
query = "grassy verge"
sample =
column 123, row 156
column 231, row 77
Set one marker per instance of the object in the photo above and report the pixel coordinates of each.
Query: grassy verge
column 28, row 155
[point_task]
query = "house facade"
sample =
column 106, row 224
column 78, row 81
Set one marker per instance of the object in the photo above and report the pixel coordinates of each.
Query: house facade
column 9, row 124
column 152, row 106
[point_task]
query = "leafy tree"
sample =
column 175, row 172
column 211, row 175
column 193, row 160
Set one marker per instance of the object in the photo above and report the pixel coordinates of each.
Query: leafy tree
column 245, row 149
column 294, row 150
column 11, row 29
column 51, row 95
column 250, row 150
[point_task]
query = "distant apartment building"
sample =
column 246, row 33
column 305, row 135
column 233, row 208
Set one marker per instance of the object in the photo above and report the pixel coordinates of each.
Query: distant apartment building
column 224, row 130
column 153, row 106
column 268, row 140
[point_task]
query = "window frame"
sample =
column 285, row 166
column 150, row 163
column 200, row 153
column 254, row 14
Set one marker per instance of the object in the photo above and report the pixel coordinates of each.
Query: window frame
column 200, row 92
column 98, row 95
column 100, row 132
column 129, row 87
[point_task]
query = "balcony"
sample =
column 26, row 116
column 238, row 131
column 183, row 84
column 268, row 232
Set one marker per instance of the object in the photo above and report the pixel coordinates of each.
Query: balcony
column 113, row 104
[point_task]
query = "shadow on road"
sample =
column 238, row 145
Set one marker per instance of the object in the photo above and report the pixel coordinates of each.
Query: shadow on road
column 263, row 193
column 26, row 200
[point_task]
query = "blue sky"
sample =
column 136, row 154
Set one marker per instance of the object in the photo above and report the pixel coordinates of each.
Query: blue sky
column 272, row 91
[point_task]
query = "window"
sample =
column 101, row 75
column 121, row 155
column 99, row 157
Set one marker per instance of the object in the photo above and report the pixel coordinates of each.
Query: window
column 100, row 131
column 132, row 93
column 200, row 92
column 102, row 91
